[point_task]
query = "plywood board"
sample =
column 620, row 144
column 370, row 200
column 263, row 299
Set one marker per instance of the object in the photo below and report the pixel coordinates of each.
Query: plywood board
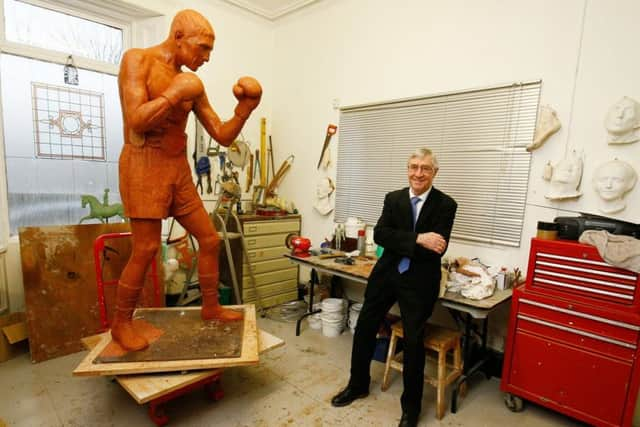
column 248, row 355
column 60, row 284
column 144, row 388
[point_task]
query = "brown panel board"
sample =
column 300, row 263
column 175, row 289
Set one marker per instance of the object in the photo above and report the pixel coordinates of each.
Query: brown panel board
column 60, row 284
column 90, row 366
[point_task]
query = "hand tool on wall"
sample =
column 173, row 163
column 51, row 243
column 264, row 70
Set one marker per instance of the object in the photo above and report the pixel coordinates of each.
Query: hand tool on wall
column 202, row 163
column 249, row 179
column 331, row 130
column 277, row 177
column 273, row 164
column 263, row 151
column 238, row 153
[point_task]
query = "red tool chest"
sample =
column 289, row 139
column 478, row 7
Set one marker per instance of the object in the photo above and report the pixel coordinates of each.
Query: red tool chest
column 574, row 335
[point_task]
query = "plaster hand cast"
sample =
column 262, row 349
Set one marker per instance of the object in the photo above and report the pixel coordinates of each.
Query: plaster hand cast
column 623, row 121
column 548, row 124
column 324, row 199
column 612, row 180
column 565, row 178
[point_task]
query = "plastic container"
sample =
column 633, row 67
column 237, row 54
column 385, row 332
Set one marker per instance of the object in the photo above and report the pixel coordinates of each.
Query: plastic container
column 547, row 230
column 332, row 328
column 362, row 243
column 315, row 321
column 352, row 226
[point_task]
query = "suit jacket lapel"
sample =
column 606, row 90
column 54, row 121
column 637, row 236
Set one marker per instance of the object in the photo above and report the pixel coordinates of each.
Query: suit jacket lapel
column 406, row 210
column 428, row 207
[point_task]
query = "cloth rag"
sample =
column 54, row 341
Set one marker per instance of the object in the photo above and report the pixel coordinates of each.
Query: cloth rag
column 618, row 250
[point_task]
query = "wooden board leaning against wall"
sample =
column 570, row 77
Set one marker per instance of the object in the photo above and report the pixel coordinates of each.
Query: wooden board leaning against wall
column 60, row 284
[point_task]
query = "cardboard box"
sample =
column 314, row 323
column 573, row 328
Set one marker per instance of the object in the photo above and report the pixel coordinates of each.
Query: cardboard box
column 13, row 335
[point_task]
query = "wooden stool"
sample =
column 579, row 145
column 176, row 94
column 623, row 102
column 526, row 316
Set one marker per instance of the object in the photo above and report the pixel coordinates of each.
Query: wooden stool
column 438, row 339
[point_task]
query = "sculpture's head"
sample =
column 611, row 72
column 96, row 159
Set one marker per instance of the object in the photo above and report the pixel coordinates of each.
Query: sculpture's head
column 613, row 179
column 568, row 171
column 623, row 116
column 193, row 38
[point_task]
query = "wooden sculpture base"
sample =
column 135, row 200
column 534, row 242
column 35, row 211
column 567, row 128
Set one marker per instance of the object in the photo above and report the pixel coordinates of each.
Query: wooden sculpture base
column 179, row 341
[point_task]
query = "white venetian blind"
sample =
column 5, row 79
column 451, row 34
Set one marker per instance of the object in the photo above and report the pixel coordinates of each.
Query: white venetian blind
column 479, row 138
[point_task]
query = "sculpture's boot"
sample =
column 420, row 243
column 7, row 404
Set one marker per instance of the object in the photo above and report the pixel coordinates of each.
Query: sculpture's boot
column 211, row 308
column 122, row 330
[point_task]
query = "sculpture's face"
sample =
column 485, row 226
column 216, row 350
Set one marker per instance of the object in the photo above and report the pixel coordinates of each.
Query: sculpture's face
column 622, row 116
column 568, row 171
column 195, row 50
column 611, row 181
column 421, row 173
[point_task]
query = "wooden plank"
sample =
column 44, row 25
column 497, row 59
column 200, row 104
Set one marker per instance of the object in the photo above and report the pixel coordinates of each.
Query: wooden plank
column 144, row 388
column 16, row 332
column 60, row 284
column 248, row 354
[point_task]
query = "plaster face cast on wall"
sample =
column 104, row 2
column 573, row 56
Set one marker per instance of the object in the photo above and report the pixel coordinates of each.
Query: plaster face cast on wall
column 612, row 180
column 565, row 178
column 324, row 191
column 623, row 122
column 548, row 124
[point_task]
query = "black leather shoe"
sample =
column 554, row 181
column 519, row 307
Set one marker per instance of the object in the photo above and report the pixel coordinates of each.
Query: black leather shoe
column 348, row 395
column 408, row 420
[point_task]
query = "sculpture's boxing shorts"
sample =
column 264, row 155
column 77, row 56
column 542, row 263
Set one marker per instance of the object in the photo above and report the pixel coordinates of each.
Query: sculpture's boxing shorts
column 155, row 184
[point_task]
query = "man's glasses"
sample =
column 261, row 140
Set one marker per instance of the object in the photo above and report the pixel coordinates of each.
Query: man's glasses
column 428, row 170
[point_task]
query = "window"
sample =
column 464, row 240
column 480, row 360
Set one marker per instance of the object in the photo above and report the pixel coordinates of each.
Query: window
column 48, row 29
column 57, row 145
column 479, row 138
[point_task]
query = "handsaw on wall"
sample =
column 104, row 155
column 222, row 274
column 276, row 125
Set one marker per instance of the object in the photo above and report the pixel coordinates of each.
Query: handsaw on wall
column 331, row 130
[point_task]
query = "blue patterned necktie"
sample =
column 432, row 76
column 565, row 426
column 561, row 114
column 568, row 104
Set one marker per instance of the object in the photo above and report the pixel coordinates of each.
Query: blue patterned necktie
column 406, row 261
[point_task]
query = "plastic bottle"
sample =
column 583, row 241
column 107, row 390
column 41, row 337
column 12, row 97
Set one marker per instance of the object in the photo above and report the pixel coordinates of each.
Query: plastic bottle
column 362, row 243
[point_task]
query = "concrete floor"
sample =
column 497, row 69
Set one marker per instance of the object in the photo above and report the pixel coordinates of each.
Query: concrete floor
column 292, row 386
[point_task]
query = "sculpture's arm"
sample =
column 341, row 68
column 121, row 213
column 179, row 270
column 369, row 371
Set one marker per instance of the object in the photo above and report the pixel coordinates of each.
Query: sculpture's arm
column 248, row 93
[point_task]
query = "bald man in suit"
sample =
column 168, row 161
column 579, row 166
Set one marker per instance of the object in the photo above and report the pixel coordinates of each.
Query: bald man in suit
column 407, row 273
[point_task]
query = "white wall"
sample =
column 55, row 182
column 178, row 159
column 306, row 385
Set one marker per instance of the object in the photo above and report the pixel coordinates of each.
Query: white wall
column 359, row 51
column 362, row 51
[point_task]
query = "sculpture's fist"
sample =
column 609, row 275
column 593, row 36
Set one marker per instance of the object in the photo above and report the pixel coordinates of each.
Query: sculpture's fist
column 247, row 87
column 248, row 92
column 184, row 87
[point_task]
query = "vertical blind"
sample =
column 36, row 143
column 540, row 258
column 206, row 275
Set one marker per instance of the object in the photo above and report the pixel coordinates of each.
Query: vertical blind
column 479, row 138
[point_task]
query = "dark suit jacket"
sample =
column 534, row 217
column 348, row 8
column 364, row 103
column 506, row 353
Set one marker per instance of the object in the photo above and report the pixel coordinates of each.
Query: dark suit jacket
column 394, row 232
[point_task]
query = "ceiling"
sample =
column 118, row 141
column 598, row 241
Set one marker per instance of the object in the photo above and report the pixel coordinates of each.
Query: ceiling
column 271, row 9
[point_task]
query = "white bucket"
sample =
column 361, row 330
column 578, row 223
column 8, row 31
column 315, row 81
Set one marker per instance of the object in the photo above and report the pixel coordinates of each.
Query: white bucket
column 315, row 321
column 354, row 312
column 332, row 305
column 332, row 316
column 331, row 328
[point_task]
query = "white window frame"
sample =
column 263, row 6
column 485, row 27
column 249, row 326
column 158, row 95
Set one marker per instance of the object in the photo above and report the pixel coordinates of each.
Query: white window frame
column 114, row 13
column 106, row 18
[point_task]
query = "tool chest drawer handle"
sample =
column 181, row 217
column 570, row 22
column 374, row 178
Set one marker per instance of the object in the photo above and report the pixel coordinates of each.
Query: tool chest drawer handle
column 577, row 332
column 580, row 314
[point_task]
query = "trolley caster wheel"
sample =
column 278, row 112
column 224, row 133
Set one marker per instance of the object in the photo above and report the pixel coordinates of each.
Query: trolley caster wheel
column 513, row 403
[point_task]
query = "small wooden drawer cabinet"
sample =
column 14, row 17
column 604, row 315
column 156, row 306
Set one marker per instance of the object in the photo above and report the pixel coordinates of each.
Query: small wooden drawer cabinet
column 276, row 277
column 573, row 340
